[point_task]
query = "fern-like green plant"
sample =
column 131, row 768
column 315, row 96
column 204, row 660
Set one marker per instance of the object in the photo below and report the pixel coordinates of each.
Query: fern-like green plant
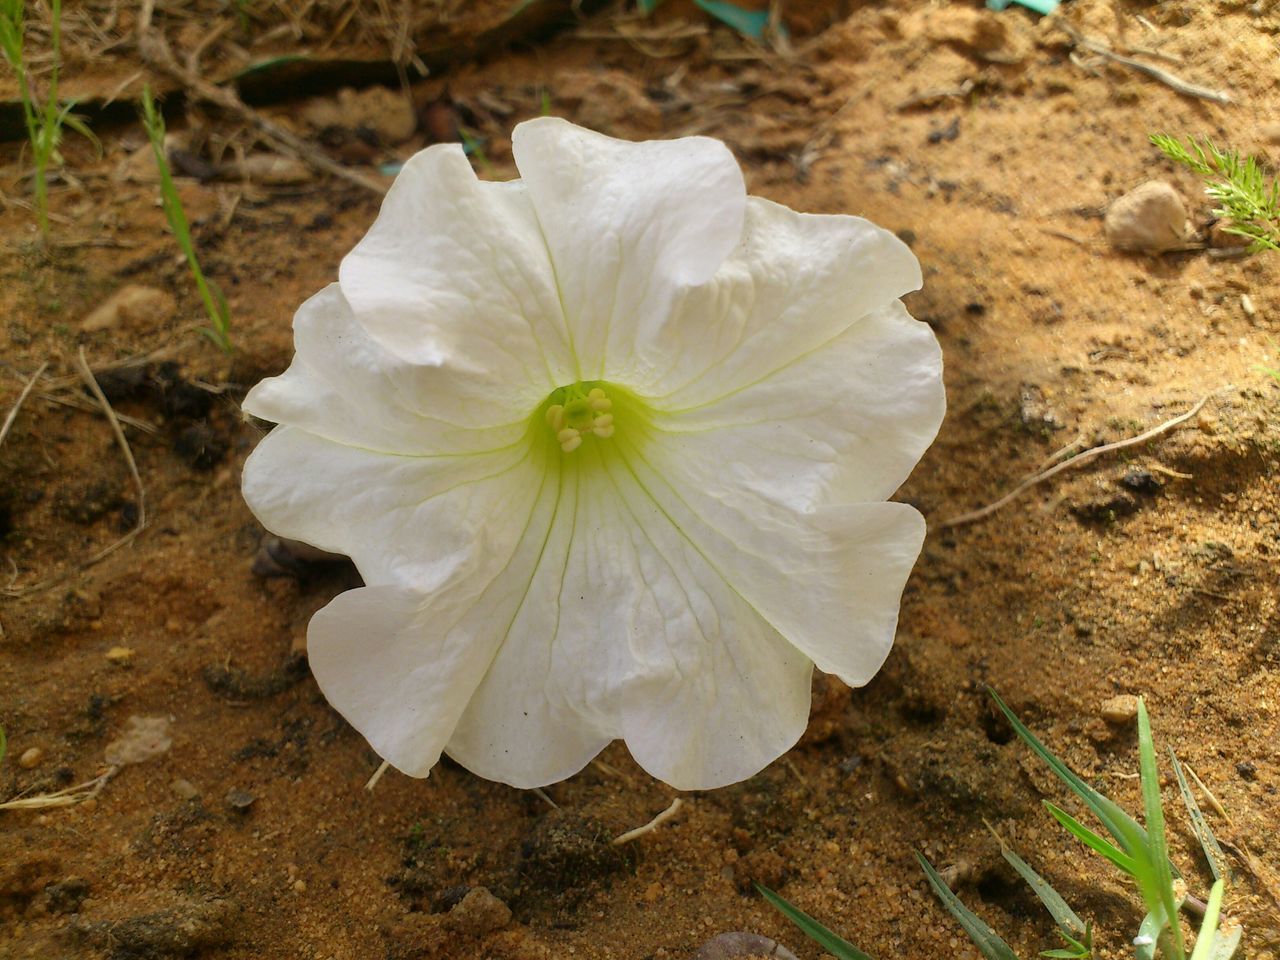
column 1246, row 200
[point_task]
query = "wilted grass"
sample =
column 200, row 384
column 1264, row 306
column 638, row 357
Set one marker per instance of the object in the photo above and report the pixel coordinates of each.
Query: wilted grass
column 215, row 305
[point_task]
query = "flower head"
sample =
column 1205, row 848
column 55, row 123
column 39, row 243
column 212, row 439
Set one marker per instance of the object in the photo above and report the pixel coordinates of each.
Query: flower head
column 610, row 446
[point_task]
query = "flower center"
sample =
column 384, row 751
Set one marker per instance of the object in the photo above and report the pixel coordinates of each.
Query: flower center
column 579, row 411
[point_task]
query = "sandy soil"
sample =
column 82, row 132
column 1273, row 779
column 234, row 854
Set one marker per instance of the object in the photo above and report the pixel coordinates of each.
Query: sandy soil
column 994, row 153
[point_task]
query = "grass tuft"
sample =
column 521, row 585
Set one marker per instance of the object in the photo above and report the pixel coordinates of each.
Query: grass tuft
column 44, row 118
column 215, row 304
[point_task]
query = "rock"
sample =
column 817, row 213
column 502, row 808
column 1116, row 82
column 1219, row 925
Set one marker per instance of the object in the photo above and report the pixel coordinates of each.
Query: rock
column 190, row 928
column 133, row 306
column 478, row 913
column 272, row 170
column 184, row 789
column 240, row 800
column 1121, row 710
column 143, row 738
column 66, row 896
column 121, row 656
column 1150, row 218
column 740, row 944
column 385, row 113
column 31, row 758
column 280, row 557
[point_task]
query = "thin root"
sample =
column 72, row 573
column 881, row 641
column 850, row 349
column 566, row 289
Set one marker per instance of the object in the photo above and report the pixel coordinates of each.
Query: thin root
column 1076, row 461
column 652, row 825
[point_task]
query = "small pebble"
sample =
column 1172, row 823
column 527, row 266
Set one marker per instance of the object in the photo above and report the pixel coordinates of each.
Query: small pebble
column 299, row 886
column 478, row 913
column 30, row 758
column 240, row 799
column 1247, row 770
column 728, row 946
column 1150, row 218
column 1246, row 304
column 1120, row 710
column 121, row 656
column 184, row 789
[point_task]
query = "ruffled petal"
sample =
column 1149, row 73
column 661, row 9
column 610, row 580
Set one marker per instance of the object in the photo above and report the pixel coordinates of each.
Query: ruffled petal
column 403, row 664
column 455, row 273
column 844, row 423
column 794, row 283
column 414, row 521
column 629, row 632
column 829, row 580
column 627, row 225
column 346, row 388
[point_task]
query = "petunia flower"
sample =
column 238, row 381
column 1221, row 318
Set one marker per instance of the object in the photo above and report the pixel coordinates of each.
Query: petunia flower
column 610, row 446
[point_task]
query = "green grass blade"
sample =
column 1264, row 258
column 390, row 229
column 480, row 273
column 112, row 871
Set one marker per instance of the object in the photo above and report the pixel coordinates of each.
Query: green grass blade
column 1097, row 844
column 1209, row 926
column 1208, row 842
column 831, row 942
column 1155, row 876
column 1066, row 918
column 984, row 938
column 1119, row 824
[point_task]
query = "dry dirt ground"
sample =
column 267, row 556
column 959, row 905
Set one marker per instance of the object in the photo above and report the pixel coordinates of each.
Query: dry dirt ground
column 993, row 148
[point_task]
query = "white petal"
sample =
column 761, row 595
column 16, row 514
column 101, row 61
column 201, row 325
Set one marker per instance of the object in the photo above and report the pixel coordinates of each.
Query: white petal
column 403, row 664
column 629, row 632
column 400, row 683
column 829, row 580
column 415, row 521
column 844, row 423
column 345, row 387
column 627, row 224
column 454, row 272
column 794, row 283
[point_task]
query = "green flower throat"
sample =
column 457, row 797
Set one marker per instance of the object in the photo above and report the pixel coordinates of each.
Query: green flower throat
column 579, row 411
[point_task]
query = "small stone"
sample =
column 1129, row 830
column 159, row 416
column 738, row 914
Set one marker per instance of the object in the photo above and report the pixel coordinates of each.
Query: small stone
column 143, row 738
column 729, row 946
column 1120, row 710
column 387, row 114
column 273, row 170
column 134, row 306
column 1247, row 770
column 1246, row 304
column 31, row 758
column 240, row 800
column 1150, row 218
column 184, row 789
column 121, row 656
column 478, row 913
column 299, row 886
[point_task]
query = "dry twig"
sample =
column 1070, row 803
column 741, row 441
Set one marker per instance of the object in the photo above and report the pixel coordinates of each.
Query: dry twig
column 1176, row 83
column 155, row 51
column 1076, row 461
column 22, row 398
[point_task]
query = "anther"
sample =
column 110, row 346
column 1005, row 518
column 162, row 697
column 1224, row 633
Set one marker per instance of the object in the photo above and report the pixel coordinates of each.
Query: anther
column 555, row 417
column 569, row 439
column 597, row 400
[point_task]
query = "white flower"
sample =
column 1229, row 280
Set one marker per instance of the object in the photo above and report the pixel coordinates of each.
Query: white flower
column 609, row 445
